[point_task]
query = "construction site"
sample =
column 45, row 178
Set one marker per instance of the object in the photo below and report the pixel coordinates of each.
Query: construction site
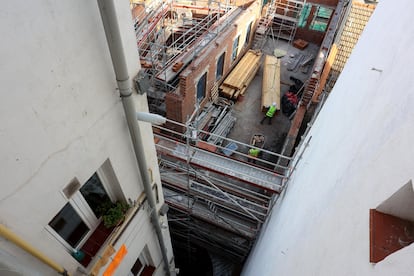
column 213, row 69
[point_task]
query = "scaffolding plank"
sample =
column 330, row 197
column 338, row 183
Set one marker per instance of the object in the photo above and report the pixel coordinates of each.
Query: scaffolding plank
column 241, row 76
column 271, row 82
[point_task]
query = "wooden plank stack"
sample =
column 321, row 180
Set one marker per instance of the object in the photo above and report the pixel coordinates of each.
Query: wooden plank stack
column 271, row 82
column 239, row 79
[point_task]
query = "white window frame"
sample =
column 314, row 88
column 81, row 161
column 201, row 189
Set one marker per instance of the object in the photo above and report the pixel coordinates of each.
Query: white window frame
column 82, row 208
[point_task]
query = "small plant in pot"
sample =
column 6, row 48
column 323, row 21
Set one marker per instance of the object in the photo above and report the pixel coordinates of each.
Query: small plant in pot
column 113, row 213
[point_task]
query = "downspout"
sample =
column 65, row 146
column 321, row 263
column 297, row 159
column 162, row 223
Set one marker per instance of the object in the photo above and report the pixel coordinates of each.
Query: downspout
column 9, row 235
column 113, row 37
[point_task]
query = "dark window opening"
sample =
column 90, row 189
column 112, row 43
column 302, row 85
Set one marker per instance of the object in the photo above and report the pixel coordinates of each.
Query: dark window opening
column 235, row 49
column 95, row 194
column 201, row 87
column 69, row 225
column 220, row 66
column 249, row 29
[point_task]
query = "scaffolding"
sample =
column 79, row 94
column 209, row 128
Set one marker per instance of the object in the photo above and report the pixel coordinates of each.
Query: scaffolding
column 280, row 21
column 217, row 201
column 170, row 35
column 217, row 198
column 286, row 15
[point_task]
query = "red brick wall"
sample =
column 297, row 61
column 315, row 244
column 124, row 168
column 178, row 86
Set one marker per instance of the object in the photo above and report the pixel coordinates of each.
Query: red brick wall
column 180, row 107
column 331, row 3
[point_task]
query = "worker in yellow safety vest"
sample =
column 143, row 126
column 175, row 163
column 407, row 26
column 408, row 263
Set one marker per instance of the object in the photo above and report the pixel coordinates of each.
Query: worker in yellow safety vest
column 269, row 114
column 254, row 152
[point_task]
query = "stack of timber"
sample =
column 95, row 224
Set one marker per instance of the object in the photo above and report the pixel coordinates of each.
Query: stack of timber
column 239, row 79
column 271, row 82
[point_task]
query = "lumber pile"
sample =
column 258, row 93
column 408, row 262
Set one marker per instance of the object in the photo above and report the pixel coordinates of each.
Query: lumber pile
column 240, row 77
column 271, row 82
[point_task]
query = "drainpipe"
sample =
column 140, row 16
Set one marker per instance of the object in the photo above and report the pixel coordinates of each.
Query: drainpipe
column 8, row 234
column 113, row 37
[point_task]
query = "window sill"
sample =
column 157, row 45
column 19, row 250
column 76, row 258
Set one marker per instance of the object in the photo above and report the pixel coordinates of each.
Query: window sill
column 106, row 248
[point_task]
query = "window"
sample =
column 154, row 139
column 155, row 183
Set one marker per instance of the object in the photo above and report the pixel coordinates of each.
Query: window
column 235, row 48
column 392, row 224
column 321, row 16
column 142, row 266
column 321, row 19
column 78, row 225
column 69, row 225
column 94, row 193
column 201, row 87
column 248, row 31
column 303, row 18
column 220, row 66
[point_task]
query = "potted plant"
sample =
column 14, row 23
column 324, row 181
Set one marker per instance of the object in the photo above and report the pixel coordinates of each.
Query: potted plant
column 113, row 213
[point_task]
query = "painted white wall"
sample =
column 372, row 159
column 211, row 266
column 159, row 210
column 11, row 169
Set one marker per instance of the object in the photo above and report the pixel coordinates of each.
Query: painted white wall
column 61, row 116
column 361, row 152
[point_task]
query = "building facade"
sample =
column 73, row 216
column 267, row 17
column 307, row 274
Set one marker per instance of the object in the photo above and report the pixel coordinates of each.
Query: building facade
column 66, row 148
column 356, row 167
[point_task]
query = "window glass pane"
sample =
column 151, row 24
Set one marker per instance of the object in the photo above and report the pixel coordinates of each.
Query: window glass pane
column 304, row 15
column 249, row 29
column 95, row 194
column 68, row 224
column 137, row 268
column 235, row 48
column 201, row 87
column 320, row 22
column 220, row 66
column 324, row 12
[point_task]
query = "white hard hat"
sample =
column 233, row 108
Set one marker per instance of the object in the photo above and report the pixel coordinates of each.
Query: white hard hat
column 274, row 104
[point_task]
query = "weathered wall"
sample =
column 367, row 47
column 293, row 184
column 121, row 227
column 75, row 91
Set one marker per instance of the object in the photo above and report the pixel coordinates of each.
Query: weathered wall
column 61, row 117
column 360, row 154
column 181, row 106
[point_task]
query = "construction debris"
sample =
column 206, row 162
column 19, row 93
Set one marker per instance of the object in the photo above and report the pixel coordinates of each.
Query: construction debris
column 294, row 61
column 239, row 79
column 300, row 44
column 271, row 82
column 218, row 120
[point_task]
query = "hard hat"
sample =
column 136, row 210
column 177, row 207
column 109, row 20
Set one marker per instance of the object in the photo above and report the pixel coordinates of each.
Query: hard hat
column 274, row 104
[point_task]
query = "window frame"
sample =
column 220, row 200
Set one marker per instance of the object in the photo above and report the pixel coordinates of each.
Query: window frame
column 235, row 48
column 203, row 75
column 146, row 261
column 320, row 19
column 83, row 210
column 248, row 33
column 219, row 76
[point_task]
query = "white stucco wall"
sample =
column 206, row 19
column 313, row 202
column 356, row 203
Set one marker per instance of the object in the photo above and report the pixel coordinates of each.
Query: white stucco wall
column 361, row 152
column 61, row 116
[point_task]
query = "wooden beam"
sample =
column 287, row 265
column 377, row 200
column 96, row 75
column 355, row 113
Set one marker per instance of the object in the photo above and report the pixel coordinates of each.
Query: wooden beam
column 325, row 73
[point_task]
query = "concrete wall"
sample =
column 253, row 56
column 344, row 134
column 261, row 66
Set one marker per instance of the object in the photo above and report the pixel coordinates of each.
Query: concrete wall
column 182, row 103
column 361, row 152
column 61, row 117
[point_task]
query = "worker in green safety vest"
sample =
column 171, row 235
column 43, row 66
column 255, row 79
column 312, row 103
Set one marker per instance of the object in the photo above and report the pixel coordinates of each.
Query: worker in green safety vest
column 254, row 152
column 269, row 114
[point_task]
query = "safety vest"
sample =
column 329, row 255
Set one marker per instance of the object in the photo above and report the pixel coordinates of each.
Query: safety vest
column 271, row 111
column 254, row 152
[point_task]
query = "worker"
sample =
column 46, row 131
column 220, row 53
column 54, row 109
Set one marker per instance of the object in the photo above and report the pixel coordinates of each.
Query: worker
column 253, row 152
column 269, row 114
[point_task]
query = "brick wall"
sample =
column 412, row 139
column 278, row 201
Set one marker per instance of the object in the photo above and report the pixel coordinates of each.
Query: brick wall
column 181, row 104
column 311, row 35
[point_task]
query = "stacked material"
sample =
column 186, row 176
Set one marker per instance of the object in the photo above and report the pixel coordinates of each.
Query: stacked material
column 271, row 82
column 239, row 79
